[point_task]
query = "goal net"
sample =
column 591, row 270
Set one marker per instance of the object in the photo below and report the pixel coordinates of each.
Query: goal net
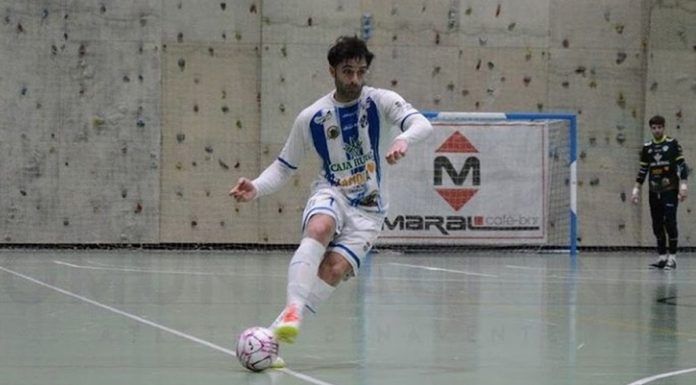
column 487, row 180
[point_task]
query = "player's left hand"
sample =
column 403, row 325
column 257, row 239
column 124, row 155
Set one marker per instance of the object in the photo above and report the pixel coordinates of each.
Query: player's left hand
column 397, row 151
column 243, row 191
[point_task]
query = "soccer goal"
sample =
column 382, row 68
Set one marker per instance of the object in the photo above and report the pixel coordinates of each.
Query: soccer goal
column 488, row 180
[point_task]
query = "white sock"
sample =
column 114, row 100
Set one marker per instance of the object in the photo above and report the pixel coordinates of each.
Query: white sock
column 302, row 272
column 663, row 257
column 321, row 291
column 672, row 257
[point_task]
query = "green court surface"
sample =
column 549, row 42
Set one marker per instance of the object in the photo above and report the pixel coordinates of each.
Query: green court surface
column 171, row 317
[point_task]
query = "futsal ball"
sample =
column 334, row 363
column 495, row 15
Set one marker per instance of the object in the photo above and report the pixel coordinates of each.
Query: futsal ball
column 257, row 348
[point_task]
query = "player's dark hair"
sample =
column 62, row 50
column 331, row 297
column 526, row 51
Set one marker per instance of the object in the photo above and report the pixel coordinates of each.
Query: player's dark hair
column 657, row 119
column 349, row 47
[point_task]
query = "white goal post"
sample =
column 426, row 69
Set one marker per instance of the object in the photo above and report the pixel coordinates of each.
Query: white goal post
column 490, row 180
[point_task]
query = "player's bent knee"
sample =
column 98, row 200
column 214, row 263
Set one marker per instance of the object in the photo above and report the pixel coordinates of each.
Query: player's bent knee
column 334, row 269
column 320, row 226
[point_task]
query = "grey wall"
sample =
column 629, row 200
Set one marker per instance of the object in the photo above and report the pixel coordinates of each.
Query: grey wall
column 127, row 121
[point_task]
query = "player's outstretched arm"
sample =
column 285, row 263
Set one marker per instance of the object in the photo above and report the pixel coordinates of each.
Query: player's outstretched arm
column 397, row 151
column 416, row 129
column 243, row 191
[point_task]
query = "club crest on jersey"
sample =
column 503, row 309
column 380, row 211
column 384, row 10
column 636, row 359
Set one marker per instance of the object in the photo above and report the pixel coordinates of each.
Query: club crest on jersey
column 332, row 132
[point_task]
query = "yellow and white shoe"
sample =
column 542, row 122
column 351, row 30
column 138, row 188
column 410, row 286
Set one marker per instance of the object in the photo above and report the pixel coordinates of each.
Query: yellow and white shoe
column 287, row 326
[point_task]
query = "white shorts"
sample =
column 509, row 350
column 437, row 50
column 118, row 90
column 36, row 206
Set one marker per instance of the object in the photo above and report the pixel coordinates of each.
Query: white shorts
column 356, row 229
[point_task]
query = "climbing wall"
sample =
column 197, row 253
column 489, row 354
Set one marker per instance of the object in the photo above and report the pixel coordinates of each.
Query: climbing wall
column 80, row 123
column 128, row 122
column 597, row 72
column 670, row 84
column 463, row 56
column 211, row 120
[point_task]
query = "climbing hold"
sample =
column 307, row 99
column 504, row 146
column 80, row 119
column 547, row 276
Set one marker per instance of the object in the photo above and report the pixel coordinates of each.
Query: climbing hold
column 620, row 57
column 621, row 100
column 366, row 26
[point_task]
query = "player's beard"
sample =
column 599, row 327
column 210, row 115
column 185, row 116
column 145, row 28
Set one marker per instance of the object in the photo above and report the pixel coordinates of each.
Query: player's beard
column 348, row 92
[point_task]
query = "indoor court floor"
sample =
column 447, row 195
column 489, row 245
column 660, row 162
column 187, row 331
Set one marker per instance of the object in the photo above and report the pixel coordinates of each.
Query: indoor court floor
column 496, row 318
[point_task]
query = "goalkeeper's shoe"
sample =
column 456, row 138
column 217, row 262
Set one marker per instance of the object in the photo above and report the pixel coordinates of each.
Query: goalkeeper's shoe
column 671, row 264
column 659, row 264
column 287, row 326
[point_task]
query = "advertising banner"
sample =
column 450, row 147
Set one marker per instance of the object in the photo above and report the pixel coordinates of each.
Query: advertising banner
column 472, row 183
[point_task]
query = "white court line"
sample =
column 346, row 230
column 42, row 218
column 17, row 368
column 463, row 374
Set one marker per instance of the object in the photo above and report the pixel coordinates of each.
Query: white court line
column 133, row 270
column 154, row 324
column 441, row 269
column 660, row 376
column 130, row 269
column 524, row 267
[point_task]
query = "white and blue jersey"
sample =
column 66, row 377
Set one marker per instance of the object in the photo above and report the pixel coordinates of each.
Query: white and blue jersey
column 350, row 140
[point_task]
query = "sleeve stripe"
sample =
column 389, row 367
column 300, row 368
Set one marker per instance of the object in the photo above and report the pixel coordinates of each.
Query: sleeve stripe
column 401, row 126
column 281, row 160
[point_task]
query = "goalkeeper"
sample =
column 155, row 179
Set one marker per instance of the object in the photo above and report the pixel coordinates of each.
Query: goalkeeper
column 663, row 165
column 351, row 131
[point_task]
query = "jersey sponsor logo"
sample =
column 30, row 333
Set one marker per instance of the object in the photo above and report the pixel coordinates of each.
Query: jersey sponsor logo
column 457, row 144
column 321, row 118
column 353, row 180
column 353, row 147
column 358, row 161
column 349, row 126
column 348, row 115
column 363, row 121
